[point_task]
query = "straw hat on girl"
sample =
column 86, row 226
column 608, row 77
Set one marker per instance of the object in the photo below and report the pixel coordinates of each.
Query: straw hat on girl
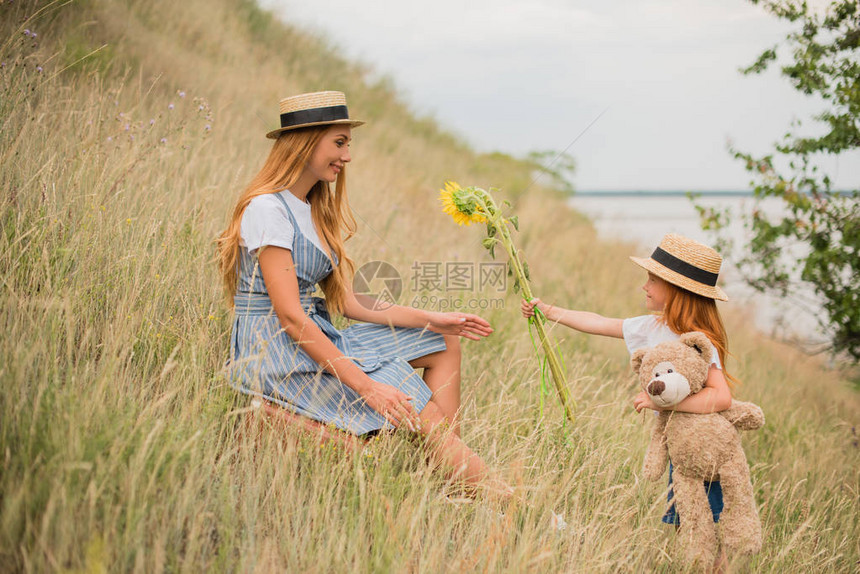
column 313, row 109
column 686, row 264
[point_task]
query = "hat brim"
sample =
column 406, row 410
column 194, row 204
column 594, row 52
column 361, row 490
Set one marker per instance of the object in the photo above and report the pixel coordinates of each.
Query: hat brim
column 679, row 280
column 351, row 123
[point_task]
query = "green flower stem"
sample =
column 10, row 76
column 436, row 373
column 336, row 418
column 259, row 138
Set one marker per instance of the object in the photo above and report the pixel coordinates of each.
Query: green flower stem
column 558, row 375
column 495, row 219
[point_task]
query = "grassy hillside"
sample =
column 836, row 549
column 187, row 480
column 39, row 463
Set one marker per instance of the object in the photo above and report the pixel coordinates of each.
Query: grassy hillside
column 127, row 128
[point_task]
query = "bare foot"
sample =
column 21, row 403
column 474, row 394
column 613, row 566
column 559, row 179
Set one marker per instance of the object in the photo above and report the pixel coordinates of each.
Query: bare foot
column 721, row 562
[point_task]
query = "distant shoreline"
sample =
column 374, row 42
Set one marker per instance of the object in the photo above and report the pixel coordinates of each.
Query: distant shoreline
column 672, row 193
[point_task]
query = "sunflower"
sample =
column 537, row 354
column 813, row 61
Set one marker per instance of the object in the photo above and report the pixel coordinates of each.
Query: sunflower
column 460, row 204
column 475, row 205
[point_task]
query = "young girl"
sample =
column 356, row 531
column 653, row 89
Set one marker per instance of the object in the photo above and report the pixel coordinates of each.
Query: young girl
column 681, row 288
column 286, row 235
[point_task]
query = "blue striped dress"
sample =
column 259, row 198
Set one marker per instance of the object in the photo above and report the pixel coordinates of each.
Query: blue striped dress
column 268, row 363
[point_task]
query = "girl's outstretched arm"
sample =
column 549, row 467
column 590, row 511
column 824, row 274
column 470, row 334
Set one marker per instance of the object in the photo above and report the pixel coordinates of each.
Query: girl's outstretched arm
column 715, row 397
column 583, row 321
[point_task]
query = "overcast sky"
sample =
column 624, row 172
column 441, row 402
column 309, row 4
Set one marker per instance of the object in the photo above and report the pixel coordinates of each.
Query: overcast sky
column 522, row 75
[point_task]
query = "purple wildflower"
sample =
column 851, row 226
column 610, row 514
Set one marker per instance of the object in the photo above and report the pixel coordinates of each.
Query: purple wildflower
column 27, row 32
column 207, row 127
column 110, row 138
column 181, row 94
column 152, row 122
column 169, row 106
column 39, row 69
column 163, row 140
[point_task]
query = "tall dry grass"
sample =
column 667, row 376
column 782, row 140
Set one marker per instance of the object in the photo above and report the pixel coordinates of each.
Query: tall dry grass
column 124, row 450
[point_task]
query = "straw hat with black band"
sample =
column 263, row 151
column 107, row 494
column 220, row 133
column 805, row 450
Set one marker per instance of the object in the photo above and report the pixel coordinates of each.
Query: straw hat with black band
column 686, row 264
column 313, row 109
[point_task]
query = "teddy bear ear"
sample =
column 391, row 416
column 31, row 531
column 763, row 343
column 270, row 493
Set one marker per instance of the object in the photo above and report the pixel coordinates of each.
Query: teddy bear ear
column 699, row 342
column 636, row 360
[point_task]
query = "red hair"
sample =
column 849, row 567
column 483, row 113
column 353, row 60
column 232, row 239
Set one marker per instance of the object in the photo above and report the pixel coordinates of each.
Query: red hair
column 685, row 311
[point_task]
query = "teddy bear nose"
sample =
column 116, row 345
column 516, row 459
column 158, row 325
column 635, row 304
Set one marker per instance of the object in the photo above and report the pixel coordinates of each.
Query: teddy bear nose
column 656, row 388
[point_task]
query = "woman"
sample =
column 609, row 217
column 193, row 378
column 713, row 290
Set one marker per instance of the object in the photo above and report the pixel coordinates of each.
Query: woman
column 287, row 234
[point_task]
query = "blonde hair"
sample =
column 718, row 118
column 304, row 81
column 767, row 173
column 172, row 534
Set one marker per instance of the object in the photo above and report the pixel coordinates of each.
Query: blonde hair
column 685, row 311
column 330, row 212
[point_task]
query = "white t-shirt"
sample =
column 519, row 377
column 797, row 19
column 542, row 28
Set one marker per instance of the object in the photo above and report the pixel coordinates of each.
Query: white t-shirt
column 266, row 222
column 646, row 331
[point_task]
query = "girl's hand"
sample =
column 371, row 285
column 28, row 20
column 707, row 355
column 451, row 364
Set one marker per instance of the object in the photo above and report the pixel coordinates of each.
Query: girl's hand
column 528, row 307
column 393, row 404
column 643, row 401
column 459, row 324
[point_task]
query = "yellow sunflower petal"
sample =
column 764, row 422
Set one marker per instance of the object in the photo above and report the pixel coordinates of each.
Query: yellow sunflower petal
column 449, row 205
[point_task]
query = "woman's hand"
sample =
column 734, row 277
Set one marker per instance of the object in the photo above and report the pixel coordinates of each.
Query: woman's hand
column 643, row 401
column 528, row 307
column 393, row 404
column 460, row 324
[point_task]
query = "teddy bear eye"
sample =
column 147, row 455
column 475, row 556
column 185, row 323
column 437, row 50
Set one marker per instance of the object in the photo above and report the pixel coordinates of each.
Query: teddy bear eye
column 670, row 371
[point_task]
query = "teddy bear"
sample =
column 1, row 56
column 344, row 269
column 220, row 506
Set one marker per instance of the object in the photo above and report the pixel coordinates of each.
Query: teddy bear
column 701, row 447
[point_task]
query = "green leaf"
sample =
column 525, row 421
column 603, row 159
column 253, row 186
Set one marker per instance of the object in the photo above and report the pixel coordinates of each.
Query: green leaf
column 812, row 245
column 489, row 244
column 515, row 220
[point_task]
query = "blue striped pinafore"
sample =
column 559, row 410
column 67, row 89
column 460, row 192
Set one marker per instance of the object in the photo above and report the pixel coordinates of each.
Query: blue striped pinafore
column 267, row 362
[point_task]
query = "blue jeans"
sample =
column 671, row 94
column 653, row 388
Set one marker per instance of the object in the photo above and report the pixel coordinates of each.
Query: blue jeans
column 715, row 499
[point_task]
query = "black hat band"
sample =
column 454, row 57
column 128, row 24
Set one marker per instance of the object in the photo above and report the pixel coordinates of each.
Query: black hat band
column 680, row 266
column 314, row 116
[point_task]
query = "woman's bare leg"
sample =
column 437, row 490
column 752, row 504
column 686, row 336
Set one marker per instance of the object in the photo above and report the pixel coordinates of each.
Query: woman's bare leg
column 460, row 462
column 286, row 420
column 442, row 376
